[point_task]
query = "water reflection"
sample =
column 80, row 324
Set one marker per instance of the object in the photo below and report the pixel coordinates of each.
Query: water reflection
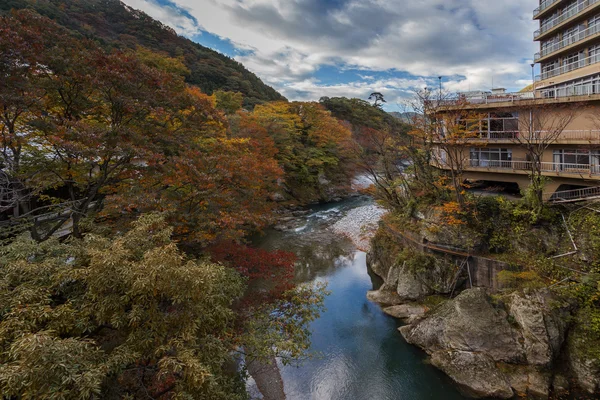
column 363, row 357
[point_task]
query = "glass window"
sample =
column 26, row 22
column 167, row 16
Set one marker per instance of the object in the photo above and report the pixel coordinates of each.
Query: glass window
column 491, row 157
column 572, row 158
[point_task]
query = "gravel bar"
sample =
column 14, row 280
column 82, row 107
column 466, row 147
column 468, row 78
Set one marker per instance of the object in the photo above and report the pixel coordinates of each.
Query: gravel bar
column 360, row 224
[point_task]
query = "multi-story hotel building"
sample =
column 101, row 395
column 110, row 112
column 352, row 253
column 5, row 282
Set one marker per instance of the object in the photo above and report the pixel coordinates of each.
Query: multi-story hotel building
column 569, row 60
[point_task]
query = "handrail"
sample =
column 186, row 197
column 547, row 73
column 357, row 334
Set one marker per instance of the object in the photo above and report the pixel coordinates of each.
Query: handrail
column 575, row 194
column 518, row 137
column 487, row 98
column 579, row 36
column 544, row 5
column 517, row 165
column 557, row 20
column 563, row 69
column 573, row 90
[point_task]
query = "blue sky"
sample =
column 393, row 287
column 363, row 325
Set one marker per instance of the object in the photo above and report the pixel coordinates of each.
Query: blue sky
column 312, row 48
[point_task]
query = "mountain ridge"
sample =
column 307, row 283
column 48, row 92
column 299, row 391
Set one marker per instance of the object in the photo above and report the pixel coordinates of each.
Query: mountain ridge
column 117, row 25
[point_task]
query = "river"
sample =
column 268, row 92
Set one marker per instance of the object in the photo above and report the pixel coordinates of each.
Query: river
column 360, row 355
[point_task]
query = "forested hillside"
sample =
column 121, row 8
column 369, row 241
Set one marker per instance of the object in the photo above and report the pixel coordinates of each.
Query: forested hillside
column 116, row 25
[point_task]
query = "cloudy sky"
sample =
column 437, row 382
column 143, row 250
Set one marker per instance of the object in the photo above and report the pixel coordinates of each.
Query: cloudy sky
column 312, row 48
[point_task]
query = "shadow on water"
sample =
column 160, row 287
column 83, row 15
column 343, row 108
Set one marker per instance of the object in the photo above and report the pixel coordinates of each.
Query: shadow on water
column 361, row 354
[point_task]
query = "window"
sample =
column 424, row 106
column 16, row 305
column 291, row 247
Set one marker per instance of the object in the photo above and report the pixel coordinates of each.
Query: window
column 550, row 69
column 573, row 61
column 548, row 45
column 573, row 159
column 594, row 54
column 502, row 125
column 490, row 157
column 571, row 35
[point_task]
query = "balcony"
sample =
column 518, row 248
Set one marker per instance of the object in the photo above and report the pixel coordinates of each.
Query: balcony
column 515, row 137
column 563, row 69
column 574, row 90
column 523, row 167
column 582, row 5
column 568, row 42
column 486, row 98
column 544, row 6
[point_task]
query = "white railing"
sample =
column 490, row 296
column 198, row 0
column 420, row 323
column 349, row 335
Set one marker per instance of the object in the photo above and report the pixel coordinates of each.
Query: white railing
column 544, row 5
column 586, row 135
column 500, row 135
column 587, row 89
column 579, row 36
column 563, row 69
column 589, row 135
column 580, row 169
column 557, row 20
column 547, row 167
column 487, row 98
column 576, row 194
column 500, row 164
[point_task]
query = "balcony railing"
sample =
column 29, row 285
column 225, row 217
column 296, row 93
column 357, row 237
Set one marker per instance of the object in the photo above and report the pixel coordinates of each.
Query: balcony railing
column 588, row 89
column 487, row 98
column 518, row 137
column 559, row 19
column 563, row 69
column 544, row 5
column 547, row 167
column 591, row 31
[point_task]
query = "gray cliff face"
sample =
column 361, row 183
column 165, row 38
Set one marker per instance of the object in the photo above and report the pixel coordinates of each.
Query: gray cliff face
column 468, row 323
column 585, row 370
column 542, row 328
column 492, row 346
column 476, row 373
column 493, row 350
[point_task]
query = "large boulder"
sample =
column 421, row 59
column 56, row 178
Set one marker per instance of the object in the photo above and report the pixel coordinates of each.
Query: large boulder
column 409, row 313
column 468, row 323
column 476, row 373
column 384, row 297
column 582, row 359
column 543, row 325
column 411, row 285
column 383, row 253
column 528, row 381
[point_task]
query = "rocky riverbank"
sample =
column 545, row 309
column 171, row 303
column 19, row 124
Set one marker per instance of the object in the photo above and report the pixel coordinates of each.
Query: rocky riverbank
column 492, row 344
column 360, row 225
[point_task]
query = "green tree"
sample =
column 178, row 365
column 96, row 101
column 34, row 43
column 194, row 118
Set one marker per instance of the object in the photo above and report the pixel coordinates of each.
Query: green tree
column 228, row 102
column 132, row 316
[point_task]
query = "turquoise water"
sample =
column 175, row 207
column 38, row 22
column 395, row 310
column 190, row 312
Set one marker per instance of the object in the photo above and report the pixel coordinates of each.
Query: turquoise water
column 361, row 355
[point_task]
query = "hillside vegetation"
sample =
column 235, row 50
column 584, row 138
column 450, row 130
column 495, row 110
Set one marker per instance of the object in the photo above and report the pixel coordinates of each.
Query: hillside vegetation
column 115, row 25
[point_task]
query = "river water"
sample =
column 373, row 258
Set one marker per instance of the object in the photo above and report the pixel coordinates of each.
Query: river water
column 359, row 354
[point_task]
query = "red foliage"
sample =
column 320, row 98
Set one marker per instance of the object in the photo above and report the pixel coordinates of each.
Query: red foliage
column 271, row 271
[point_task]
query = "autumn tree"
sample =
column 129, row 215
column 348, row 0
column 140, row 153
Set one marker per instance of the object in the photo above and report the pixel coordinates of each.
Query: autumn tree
column 228, row 102
column 130, row 316
column 125, row 125
column 312, row 147
column 539, row 127
column 448, row 128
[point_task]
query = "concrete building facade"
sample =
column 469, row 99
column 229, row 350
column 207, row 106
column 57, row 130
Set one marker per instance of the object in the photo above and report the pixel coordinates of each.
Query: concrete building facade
column 567, row 93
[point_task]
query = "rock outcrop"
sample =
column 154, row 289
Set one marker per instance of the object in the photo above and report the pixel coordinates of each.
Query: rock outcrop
column 493, row 348
column 582, row 360
column 468, row 323
column 384, row 297
column 408, row 313
column 410, row 282
column 476, row 373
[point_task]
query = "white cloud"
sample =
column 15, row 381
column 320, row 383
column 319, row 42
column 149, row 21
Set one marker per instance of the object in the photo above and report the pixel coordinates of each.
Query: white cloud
column 482, row 40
